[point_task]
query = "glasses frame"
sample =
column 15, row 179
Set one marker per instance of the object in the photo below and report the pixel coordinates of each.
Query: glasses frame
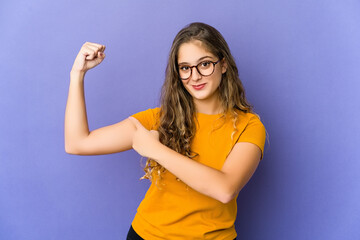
column 196, row 66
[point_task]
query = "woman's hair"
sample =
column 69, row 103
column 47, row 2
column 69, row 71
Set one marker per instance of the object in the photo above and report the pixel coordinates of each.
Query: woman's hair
column 177, row 127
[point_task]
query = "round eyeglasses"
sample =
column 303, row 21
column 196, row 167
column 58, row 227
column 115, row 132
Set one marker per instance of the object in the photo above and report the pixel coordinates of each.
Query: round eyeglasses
column 205, row 68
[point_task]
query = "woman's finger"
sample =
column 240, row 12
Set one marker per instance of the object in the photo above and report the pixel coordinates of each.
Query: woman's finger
column 88, row 52
column 154, row 133
column 136, row 122
column 100, row 47
column 96, row 50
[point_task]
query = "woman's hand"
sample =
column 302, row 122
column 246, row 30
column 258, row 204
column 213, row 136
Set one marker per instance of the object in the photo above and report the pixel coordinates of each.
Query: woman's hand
column 145, row 142
column 89, row 56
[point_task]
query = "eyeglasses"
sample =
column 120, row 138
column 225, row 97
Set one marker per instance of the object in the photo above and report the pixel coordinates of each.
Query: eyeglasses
column 205, row 68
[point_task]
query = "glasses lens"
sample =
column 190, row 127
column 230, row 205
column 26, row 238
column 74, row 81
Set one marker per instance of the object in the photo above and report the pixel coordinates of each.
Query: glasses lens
column 184, row 72
column 205, row 68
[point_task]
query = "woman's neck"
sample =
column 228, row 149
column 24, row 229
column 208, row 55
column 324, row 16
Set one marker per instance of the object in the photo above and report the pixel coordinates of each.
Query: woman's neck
column 208, row 106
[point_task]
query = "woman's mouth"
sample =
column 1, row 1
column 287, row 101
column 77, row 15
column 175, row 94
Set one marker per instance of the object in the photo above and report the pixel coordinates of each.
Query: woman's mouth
column 198, row 87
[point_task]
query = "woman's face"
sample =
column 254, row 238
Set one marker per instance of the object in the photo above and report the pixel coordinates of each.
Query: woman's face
column 200, row 87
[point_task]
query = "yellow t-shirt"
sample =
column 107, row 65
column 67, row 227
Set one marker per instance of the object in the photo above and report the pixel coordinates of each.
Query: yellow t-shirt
column 173, row 210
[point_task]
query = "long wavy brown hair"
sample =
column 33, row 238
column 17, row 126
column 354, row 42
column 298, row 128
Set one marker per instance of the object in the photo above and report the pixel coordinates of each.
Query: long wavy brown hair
column 177, row 118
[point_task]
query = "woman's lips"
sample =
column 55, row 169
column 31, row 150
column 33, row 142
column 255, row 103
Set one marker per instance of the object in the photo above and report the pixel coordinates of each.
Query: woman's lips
column 198, row 87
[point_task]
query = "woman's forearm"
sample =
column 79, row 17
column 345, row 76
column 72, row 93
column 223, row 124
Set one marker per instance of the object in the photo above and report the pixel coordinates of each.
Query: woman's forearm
column 76, row 123
column 202, row 178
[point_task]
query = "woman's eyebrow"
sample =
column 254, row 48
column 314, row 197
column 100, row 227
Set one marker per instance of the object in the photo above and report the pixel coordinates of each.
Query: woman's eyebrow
column 197, row 60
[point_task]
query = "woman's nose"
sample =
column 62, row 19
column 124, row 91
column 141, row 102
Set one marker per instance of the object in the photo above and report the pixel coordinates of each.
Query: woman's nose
column 195, row 75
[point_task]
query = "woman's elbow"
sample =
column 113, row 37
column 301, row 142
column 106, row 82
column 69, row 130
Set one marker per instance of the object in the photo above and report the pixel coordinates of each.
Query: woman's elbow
column 70, row 150
column 227, row 195
column 226, row 198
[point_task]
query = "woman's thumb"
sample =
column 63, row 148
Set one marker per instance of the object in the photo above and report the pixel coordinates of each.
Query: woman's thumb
column 101, row 55
column 135, row 122
column 155, row 133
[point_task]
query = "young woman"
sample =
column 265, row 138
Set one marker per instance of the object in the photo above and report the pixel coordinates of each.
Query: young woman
column 203, row 143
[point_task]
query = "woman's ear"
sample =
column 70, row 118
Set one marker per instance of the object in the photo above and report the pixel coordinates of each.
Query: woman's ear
column 223, row 66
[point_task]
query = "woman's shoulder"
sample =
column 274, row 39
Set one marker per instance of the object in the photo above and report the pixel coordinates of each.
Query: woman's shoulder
column 155, row 110
column 248, row 120
column 248, row 116
column 150, row 111
column 148, row 117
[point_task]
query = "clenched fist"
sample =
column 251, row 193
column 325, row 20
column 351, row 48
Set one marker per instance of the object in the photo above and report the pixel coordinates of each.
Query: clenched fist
column 89, row 56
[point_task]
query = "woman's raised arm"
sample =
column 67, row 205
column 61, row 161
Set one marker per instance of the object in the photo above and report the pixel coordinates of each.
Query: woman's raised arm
column 78, row 139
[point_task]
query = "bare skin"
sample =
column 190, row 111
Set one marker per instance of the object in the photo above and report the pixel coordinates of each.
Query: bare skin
column 78, row 139
column 222, row 185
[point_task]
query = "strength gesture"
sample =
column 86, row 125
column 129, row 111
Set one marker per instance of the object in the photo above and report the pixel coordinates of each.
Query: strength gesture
column 89, row 56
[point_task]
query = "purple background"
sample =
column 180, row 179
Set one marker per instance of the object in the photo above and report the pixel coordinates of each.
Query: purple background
column 299, row 62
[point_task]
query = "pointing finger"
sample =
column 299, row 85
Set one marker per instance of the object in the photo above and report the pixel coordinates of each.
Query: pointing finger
column 154, row 133
column 136, row 122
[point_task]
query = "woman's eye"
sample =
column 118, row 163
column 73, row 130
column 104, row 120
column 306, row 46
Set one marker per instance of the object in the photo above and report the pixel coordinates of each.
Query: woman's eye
column 204, row 64
column 184, row 68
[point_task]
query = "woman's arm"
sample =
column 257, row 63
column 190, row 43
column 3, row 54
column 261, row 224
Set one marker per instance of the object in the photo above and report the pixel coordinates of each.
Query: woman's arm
column 222, row 185
column 76, row 124
column 78, row 139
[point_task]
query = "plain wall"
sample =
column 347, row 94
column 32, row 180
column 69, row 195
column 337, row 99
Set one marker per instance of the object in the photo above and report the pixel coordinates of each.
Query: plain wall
column 299, row 63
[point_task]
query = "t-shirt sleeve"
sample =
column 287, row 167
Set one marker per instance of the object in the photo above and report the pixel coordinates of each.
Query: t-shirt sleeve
column 147, row 118
column 255, row 133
